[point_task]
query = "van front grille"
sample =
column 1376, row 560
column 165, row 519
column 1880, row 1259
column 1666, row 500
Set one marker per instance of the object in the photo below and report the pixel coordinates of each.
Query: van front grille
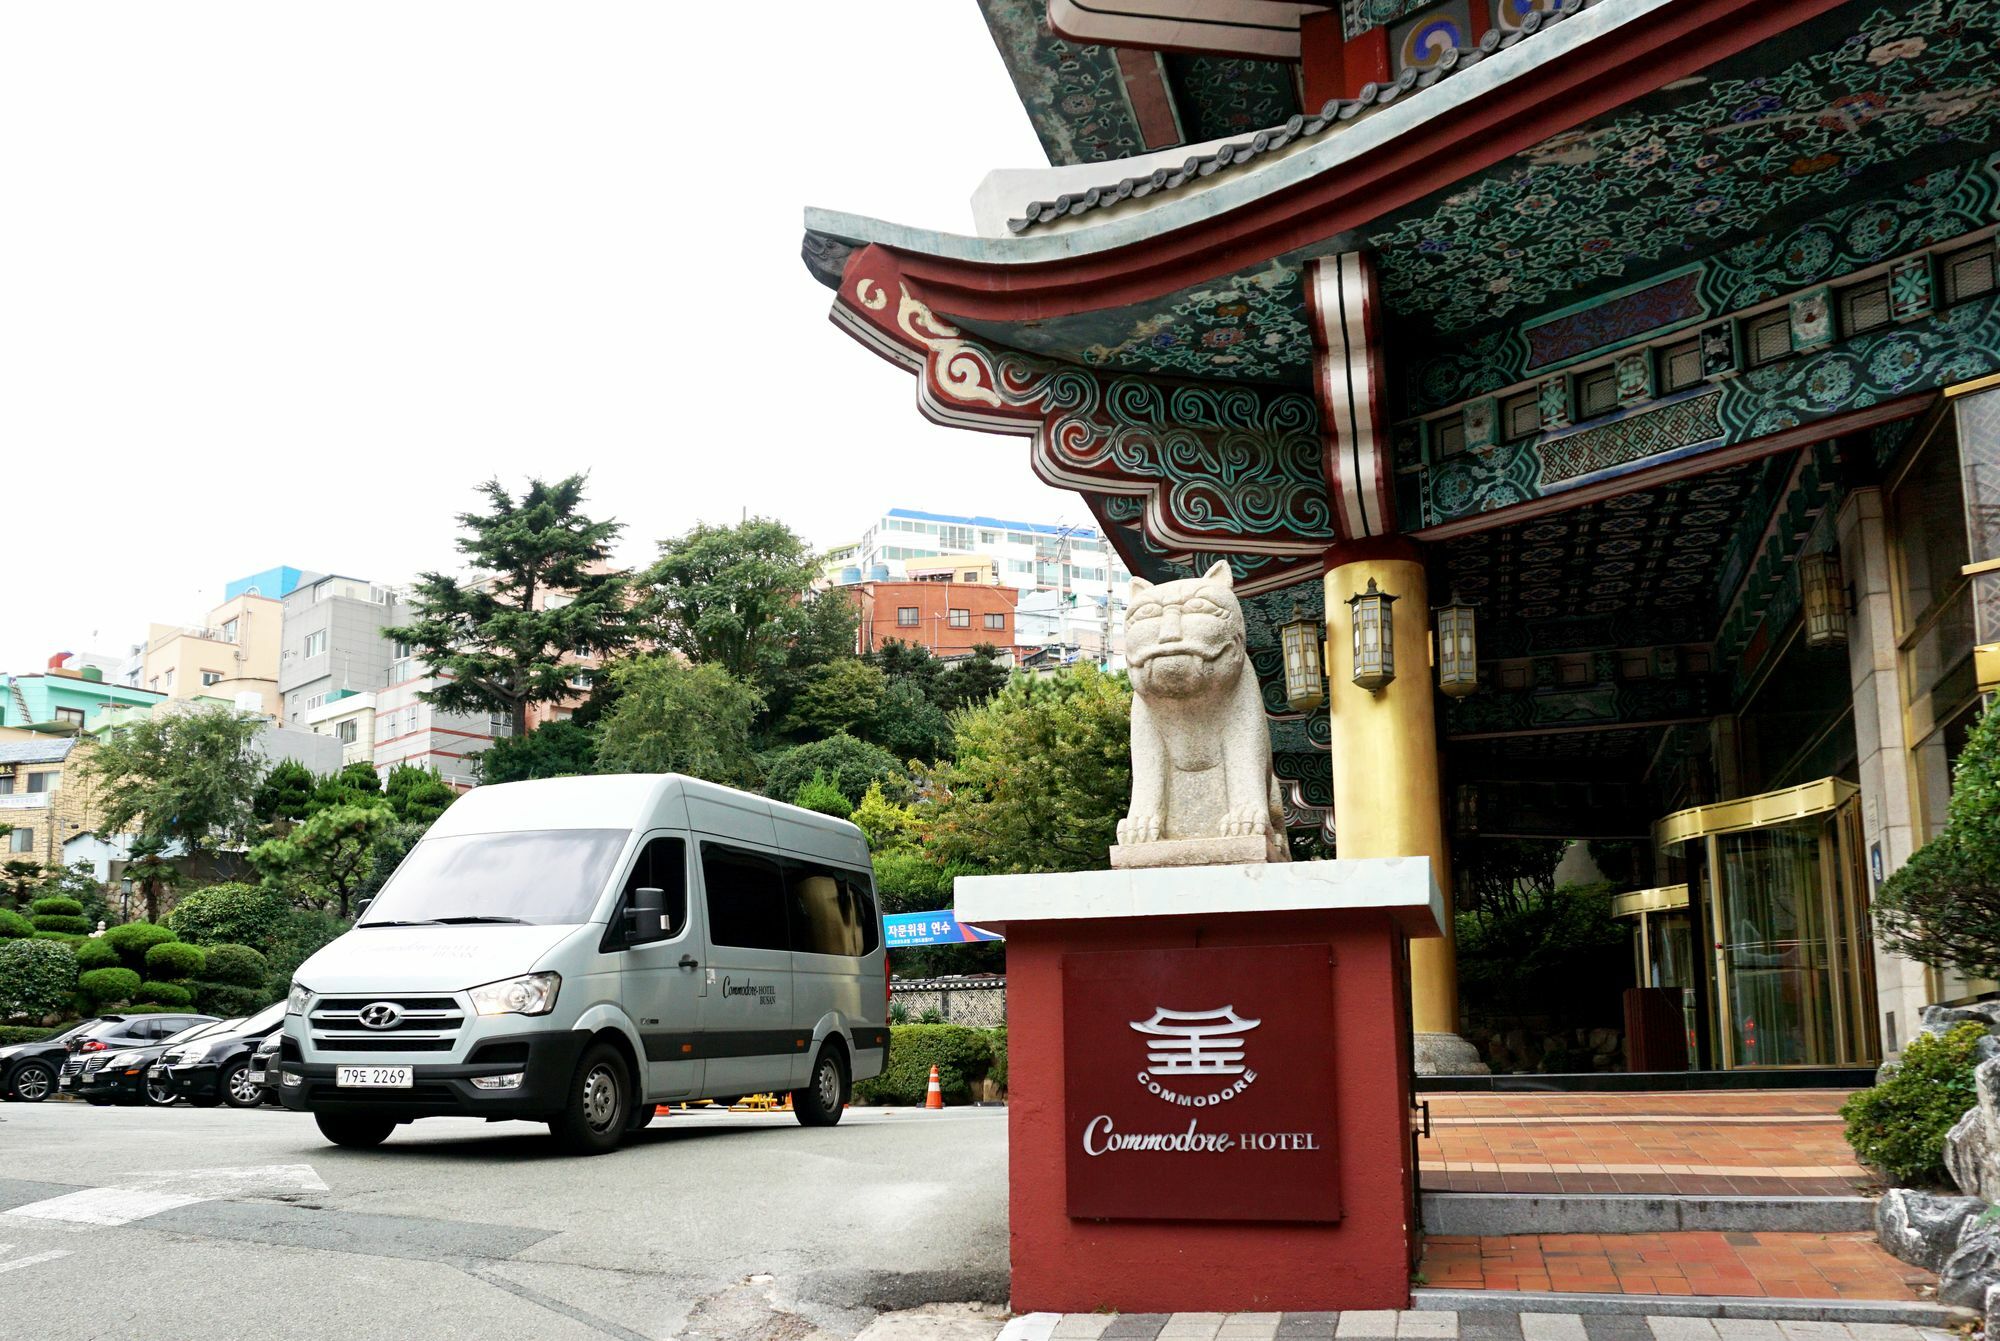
column 424, row 1024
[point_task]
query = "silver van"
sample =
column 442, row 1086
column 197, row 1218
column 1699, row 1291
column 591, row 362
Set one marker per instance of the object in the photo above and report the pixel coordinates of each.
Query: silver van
column 577, row 950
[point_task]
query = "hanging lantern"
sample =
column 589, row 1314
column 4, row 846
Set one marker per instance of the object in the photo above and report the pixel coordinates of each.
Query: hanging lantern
column 1305, row 675
column 1374, row 639
column 1457, row 648
column 1825, row 599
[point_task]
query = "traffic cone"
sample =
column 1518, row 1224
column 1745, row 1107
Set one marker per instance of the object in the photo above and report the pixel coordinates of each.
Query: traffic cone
column 934, row 1096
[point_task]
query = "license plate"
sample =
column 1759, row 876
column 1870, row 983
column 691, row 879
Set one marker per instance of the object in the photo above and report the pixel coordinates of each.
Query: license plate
column 257, row 1076
column 372, row 1077
column 63, row 1082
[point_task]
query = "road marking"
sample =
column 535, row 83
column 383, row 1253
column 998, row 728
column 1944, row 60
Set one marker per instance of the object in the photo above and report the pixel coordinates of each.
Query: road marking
column 32, row 1260
column 149, row 1194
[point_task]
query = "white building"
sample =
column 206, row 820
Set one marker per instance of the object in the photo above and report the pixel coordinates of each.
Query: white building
column 408, row 730
column 1069, row 631
column 349, row 718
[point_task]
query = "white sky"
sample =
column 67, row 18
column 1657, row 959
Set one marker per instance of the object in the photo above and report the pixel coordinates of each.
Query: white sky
column 280, row 283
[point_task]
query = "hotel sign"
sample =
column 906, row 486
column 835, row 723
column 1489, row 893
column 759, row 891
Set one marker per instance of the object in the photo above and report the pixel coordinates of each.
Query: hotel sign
column 1199, row 1084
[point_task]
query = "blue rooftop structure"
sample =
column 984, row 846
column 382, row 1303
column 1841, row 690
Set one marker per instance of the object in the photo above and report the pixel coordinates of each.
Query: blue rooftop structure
column 277, row 583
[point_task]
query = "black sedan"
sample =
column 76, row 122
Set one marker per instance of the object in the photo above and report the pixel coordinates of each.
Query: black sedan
column 216, row 1068
column 29, row 1071
column 264, row 1067
column 122, row 1077
column 114, row 1033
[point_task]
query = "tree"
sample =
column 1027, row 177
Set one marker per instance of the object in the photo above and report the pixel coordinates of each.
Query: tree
column 285, row 795
column 739, row 597
column 417, row 794
column 676, row 718
column 495, row 650
column 974, row 680
column 19, row 877
column 328, row 857
column 821, row 795
column 910, row 725
column 188, row 775
column 76, row 881
column 1942, row 908
column 1042, row 774
column 909, row 662
column 849, row 764
column 151, row 873
column 834, row 697
column 552, row 750
column 355, row 784
column 1504, row 877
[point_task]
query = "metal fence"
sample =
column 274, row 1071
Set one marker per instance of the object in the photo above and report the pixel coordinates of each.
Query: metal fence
column 978, row 1002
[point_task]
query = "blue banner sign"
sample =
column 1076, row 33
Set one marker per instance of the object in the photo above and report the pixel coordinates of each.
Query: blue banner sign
column 940, row 928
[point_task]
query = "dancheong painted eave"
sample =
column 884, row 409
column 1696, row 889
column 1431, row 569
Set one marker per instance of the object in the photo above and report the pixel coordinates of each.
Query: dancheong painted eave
column 1312, row 195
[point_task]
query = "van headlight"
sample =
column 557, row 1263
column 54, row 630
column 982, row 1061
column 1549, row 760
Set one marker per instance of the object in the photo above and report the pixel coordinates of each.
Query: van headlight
column 295, row 1002
column 529, row 994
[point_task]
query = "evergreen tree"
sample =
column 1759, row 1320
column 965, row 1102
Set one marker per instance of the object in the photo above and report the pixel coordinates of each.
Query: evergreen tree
column 1942, row 907
column 552, row 750
column 417, row 795
column 285, row 795
column 495, row 649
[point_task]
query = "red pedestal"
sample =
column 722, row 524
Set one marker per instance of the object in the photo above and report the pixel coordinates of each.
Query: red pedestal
column 1362, row 1260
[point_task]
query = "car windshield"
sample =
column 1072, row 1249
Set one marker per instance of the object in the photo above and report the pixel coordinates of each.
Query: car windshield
column 264, row 1020
column 204, row 1030
column 550, row 877
column 192, row 1031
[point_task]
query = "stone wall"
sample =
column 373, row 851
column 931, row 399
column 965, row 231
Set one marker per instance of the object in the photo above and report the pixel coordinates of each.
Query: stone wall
column 980, row 1003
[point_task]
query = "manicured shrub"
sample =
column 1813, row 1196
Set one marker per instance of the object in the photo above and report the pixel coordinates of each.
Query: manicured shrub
column 11, row 1034
column 161, row 993
column 95, row 954
column 132, row 940
column 819, row 793
column 962, row 1056
column 147, row 1010
column 220, row 998
column 234, row 966
column 13, row 926
column 67, row 926
column 37, row 978
column 1899, row 1126
column 107, row 986
column 172, row 959
column 56, row 907
column 229, row 914
column 69, row 938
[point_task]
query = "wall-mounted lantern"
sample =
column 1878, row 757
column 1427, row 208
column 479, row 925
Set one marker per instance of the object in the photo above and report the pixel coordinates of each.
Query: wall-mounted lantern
column 1374, row 638
column 1457, row 648
column 1825, row 599
column 1305, row 673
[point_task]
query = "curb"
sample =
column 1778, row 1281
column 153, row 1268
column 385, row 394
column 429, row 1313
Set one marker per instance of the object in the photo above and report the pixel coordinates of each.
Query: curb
column 1479, row 1214
column 1915, row 1312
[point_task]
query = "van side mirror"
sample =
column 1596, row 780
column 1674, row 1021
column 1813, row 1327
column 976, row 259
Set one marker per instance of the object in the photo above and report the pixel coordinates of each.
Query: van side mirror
column 646, row 916
column 361, row 908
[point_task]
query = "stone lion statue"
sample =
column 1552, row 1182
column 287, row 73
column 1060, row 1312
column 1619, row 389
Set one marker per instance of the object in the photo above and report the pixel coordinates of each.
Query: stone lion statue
column 1203, row 792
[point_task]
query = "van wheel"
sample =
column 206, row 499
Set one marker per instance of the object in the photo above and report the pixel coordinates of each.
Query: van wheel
column 354, row 1131
column 820, row 1103
column 598, row 1107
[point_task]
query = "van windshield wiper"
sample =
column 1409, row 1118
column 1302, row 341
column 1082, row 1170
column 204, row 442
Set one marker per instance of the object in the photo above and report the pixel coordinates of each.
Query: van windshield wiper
column 460, row 921
column 365, row 925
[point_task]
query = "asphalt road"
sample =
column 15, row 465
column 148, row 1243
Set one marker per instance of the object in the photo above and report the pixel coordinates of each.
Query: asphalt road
column 168, row 1223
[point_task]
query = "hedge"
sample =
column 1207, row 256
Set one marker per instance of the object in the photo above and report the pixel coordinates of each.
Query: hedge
column 236, row 965
column 962, row 1056
column 13, row 926
column 107, row 985
column 228, row 1001
column 229, row 914
column 25, row 1033
column 160, row 993
column 37, row 978
column 56, row 907
column 68, row 926
column 132, row 940
column 95, row 954
column 171, row 959
column 1899, row 1126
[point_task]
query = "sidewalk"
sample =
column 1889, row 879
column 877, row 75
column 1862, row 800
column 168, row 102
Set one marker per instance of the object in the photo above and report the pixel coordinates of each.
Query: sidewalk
column 1740, row 1265
column 1442, row 1326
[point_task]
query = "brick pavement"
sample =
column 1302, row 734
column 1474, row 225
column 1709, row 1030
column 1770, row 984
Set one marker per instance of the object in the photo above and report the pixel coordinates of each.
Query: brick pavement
column 1442, row 1326
column 1742, row 1265
column 1693, row 1143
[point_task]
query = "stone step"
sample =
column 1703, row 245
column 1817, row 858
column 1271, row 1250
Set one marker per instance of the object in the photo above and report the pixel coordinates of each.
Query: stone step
column 1474, row 1214
column 1918, row 1313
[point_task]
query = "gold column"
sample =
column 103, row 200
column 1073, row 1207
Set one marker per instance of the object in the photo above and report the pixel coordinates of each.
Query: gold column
column 1386, row 797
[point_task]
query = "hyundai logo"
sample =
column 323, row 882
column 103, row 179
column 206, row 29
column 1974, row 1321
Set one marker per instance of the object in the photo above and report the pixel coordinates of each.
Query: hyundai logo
column 381, row 1014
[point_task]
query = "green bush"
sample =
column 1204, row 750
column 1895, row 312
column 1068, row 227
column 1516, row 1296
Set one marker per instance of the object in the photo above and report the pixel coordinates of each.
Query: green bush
column 108, row 985
column 132, row 940
column 1899, row 1126
column 11, row 1034
column 56, row 907
column 998, row 1038
column 303, row 933
column 69, row 938
column 962, row 1056
column 229, row 914
column 848, row 763
column 147, row 1010
column 819, row 793
column 13, row 926
column 172, row 959
column 160, row 993
column 234, row 966
column 221, row 998
column 1942, row 907
column 67, row 926
column 95, row 954
column 37, row 978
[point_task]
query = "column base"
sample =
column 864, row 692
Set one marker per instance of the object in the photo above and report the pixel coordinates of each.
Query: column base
column 1447, row 1055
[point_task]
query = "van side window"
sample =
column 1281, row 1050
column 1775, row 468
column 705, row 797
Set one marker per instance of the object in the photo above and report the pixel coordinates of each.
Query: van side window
column 828, row 915
column 746, row 898
column 662, row 865
column 871, row 920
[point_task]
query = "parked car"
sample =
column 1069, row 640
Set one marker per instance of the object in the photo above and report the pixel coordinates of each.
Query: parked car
column 576, row 951
column 264, row 1066
column 216, row 1068
column 114, row 1033
column 124, row 1076
column 29, row 1071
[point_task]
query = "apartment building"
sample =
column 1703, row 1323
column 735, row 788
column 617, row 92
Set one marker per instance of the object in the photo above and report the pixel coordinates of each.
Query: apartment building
column 65, row 697
column 349, row 718
column 949, row 618
column 333, row 641
column 408, row 730
column 44, row 798
column 233, row 655
column 1028, row 556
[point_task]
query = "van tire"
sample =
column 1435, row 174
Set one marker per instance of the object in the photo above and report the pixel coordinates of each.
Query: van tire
column 354, row 1131
column 825, row 1095
column 598, row 1106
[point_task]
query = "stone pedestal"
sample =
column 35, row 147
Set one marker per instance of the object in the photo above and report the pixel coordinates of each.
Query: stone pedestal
column 1209, row 1084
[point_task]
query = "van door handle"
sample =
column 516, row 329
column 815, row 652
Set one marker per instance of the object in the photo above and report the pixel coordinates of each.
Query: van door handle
column 689, row 961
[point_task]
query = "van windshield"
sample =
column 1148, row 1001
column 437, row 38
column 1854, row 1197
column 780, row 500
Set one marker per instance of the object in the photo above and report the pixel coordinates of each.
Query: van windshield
column 551, row 877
